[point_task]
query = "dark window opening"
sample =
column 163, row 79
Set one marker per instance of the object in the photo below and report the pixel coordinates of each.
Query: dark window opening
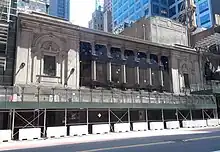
column 115, row 53
column 186, row 80
column 100, row 50
column 130, row 77
column 85, row 73
column 129, row 55
column 143, row 74
column 49, row 65
column 85, row 51
column 165, row 63
column 141, row 56
column 101, row 74
column 116, row 75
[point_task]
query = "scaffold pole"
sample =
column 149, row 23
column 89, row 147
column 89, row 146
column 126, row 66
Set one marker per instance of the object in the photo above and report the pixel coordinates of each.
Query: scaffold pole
column 13, row 124
column 45, row 121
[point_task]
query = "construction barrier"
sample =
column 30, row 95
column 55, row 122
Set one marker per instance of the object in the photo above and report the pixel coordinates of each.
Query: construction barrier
column 172, row 124
column 212, row 122
column 188, row 124
column 122, row 127
column 29, row 134
column 199, row 123
column 78, row 130
column 156, row 125
column 100, row 129
column 56, row 132
column 5, row 135
column 140, row 126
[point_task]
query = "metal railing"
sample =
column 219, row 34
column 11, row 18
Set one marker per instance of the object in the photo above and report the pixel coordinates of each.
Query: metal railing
column 43, row 94
column 213, row 85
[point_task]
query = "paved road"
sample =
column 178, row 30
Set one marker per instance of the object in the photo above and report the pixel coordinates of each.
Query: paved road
column 207, row 142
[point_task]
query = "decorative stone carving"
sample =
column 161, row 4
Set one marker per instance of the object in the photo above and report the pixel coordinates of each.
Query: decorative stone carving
column 51, row 47
column 184, row 68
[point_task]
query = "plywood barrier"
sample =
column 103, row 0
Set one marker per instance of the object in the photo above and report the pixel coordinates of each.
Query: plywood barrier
column 172, row 124
column 140, row 126
column 100, row 129
column 122, row 127
column 56, row 132
column 78, row 130
column 156, row 125
column 5, row 135
column 29, row 133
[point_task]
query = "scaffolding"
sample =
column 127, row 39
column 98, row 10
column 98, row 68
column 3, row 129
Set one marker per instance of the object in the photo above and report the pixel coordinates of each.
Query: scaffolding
column 37, row 94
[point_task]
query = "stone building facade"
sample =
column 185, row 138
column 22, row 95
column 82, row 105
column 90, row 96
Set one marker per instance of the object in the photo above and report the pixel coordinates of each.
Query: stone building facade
column 55, row 53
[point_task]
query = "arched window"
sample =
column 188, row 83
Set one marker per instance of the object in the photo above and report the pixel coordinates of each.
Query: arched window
column 85, row 63
column 143, row 70
column 154, row 72
column 166, row 76
column 101, row 65
column 116, row 72
column 130, row 68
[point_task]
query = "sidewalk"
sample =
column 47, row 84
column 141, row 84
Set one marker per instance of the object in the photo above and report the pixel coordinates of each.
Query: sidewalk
column 96, row 138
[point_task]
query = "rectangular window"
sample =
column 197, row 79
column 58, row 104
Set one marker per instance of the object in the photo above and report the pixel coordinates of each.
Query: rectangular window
column 205, row 19
column 155, row 9
column 49, row 65
column 203, row 7
column 186, row 81
column 85, row 73
column 172, row 11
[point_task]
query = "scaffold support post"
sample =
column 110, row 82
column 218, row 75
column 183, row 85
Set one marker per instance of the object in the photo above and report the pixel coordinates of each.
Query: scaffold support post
column 45, row 121
column 13, row 124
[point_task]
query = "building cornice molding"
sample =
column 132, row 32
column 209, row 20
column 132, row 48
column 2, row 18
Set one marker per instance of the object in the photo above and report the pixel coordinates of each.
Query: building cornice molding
column 67, row 25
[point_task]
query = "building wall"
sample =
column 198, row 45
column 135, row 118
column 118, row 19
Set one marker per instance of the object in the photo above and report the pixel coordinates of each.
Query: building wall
column 60, row 8
column 50, row 36
column 131, row 11
column 32, row 46
column 107, row 16
column 156, row 29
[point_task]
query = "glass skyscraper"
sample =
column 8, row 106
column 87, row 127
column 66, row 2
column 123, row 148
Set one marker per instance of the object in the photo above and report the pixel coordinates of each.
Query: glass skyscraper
column 127, row 11
column 60, row 8
column 33, row 5
column 206, row 10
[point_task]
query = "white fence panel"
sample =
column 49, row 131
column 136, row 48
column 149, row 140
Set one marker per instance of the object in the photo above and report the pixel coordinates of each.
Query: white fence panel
column 122, row 127
column 200, row 123
column 156, row 125
column 29, row 133
column 56, row 132
column 140, row 126
column 78, row 130
column 5, row 135
column 100, row 129
column 212, row 122
column 173, row 124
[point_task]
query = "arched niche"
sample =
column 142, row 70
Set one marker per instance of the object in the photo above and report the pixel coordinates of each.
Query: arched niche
column 38, row 42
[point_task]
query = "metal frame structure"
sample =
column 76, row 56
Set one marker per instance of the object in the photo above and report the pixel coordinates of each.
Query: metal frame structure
column 121, row 116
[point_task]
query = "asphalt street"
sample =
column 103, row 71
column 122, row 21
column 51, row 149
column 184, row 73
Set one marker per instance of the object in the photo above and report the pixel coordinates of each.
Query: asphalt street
column 207, row 142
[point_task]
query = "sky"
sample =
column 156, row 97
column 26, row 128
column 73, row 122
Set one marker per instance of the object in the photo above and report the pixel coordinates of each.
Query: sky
column 81, row 11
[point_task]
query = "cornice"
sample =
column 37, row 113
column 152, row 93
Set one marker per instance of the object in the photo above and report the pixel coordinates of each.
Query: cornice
column 43, row 19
